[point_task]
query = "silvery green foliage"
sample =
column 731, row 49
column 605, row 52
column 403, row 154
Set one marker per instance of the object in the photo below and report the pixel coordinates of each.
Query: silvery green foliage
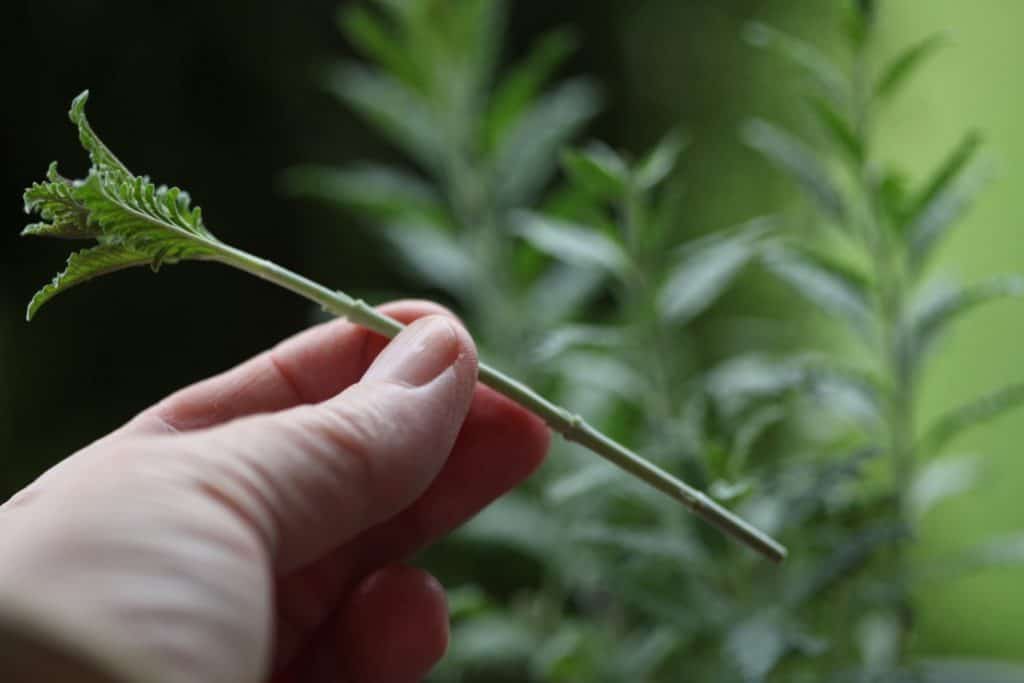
column 867, row 267
column 482, row 140
column 133, row 222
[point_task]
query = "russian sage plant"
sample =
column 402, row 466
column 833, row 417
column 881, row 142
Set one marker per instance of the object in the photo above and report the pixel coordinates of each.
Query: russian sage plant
column 863, row 259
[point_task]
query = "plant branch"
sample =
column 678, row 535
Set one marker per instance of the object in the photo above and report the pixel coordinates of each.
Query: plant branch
column 571, row 426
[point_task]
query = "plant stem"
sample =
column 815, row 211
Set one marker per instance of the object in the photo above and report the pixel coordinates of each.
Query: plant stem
column 571, row 426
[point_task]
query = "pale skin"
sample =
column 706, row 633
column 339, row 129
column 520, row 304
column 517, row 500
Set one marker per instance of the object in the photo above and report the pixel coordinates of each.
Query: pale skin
column 252, row 528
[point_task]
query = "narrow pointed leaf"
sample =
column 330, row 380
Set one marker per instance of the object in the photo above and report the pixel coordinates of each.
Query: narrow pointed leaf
column 839, row 130
column 799, row 162
column 702, row 274
column 524, row 82
column 572, row 243
column 374, row 190
column 824, row 73
column 376, row 40
column 836, row 292
column 660, row 161
column 940, row 479
column 396, row 111
column 959, row 420
column 946, row 198
column 524, row 162
column 435, row 256
column 899, row 70
column 597, row 170
column 932, row 316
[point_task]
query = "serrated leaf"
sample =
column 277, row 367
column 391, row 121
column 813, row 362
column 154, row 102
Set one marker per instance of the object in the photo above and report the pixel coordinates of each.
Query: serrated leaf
column 101, row 156
column 525, row 160
column 597, row 170
column 797, row 160
column 937, row 309
column 828, row 77
column 953, row 423
column 659, row 162
column 63, row 216
column 572, row 243
column 903, row 66
column 135, row 222
column 524, row 82
column 85, row 265
column 946, row 198
column 703, row 273
column 835, row 290
column 399, row 113
column 374, row 190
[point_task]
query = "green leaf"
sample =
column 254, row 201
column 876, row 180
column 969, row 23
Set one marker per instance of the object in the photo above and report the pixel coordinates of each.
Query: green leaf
column 837, row 291
column 850, row 556
column 940, row 479
column 562, row 290
column 135, row 222
column 63, row 216
column 981, row 410
column 903, row 66
column 937, row 309
column 378, row 191
column 86, row 265
column 946, row 198
column 397, row 112
column 379, row 42
column 659, row 162
column 435, row 256
column 823, row 72
column 524, row 82
column 793, row 157
column 597, row 170
column 101, row 156
column 839, row 130
column 704, row 272
column 574, row 336
column 525, row 160
column 572, row 243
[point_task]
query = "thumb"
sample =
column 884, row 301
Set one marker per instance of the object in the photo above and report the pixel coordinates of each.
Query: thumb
column 310, row 478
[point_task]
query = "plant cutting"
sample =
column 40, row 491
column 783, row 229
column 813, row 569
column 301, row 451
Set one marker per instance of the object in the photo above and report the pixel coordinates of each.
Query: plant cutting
column 136, row 223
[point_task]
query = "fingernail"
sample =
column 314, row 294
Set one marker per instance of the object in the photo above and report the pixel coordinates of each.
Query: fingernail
column 419, row 353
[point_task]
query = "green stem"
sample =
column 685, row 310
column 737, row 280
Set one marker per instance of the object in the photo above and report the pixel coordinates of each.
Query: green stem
column 571, row 426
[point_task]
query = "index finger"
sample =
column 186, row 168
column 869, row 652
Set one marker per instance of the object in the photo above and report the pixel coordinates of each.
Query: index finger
column 310, row 367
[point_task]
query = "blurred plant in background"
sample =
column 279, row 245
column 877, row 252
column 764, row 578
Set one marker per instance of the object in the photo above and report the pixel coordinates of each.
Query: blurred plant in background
column 582, row 576
column 589, row 287
column 483, row 144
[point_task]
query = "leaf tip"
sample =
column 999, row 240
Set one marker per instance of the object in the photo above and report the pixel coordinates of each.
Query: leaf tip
column 77, row 111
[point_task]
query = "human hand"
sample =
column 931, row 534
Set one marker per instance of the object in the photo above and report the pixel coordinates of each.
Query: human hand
column 249, row 528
